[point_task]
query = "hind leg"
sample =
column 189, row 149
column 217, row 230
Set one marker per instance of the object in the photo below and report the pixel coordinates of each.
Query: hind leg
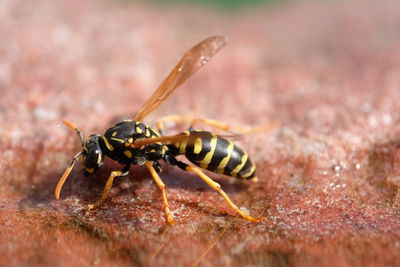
column 217, row 187
column 192, row 121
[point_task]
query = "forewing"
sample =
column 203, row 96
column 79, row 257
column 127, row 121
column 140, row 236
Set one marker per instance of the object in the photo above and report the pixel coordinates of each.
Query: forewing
column 162, row 139
column 172, row 139
column 191, row 62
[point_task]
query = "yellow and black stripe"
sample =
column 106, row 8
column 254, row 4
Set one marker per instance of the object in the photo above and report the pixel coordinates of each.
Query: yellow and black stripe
column 145, row 130
column 116, row 140
column 216, row 154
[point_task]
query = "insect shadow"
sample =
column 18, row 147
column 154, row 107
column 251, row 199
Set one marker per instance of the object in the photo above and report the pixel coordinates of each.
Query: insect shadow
column 87, row 188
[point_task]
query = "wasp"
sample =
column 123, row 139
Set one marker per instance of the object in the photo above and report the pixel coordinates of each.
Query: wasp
column 133, row 142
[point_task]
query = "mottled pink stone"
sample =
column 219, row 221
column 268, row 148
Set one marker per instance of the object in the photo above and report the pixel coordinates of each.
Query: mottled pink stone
column 327, row 73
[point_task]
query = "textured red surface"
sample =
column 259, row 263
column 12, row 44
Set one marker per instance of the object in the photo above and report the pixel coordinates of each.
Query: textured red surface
column 329, row 174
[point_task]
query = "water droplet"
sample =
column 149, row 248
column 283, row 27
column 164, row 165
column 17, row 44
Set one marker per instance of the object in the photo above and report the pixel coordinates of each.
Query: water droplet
column 337, row 168
column 387, row 119
column 366, row 107
column 203, row 60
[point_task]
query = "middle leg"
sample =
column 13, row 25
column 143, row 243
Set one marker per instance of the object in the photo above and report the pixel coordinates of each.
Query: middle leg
column 214, row 185
column 160, row 185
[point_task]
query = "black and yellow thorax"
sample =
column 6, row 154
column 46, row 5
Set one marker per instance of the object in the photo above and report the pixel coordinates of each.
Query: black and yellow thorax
column 116, row 142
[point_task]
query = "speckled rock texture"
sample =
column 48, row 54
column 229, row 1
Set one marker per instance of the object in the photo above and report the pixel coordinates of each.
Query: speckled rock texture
column 329, row 173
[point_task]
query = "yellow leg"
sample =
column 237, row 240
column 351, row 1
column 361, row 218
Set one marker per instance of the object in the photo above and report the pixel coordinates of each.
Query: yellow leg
column 217, row 188
column 160, row 185
column 174, row 118
column 215, row 124
column 107, row 188
column 235, row 128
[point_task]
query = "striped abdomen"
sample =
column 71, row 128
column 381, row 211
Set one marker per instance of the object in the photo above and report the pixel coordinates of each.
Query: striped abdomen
column 216, row 154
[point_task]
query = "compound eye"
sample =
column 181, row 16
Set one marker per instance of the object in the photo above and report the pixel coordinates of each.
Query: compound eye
column 93, row 159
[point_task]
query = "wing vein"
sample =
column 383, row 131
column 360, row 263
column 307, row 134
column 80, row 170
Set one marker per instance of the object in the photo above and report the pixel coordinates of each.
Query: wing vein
column 190, row 63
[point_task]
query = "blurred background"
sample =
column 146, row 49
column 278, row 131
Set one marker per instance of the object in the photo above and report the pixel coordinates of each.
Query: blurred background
column 222, row 4
column 328, row 72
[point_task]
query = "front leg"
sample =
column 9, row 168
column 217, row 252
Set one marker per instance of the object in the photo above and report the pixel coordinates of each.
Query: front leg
column 109, row 184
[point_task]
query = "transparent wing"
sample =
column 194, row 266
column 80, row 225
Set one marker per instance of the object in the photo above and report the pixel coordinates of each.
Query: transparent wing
column 191, row 62
column 172, row 139
column 162, row 139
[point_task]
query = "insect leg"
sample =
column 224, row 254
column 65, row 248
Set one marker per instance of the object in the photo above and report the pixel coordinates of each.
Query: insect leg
column 232, row 128
column 160, row 185
column 217, row 187
column 108, row 185
column 215, row 124
column 172, row 118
